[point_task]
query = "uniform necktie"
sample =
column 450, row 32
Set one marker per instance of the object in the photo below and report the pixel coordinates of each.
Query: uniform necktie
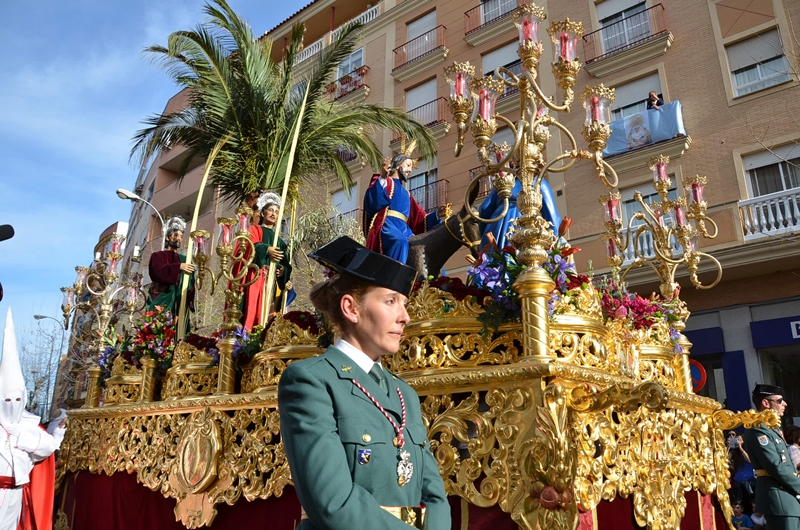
column 377, row 374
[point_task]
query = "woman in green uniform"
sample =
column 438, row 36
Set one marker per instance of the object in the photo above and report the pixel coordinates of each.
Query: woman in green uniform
column 353, row 432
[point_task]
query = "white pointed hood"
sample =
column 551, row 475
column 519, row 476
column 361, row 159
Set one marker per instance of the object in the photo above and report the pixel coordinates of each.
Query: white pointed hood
column 13, row 396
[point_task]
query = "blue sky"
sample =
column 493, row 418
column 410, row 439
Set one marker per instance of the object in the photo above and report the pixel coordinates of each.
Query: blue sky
column 75, row 90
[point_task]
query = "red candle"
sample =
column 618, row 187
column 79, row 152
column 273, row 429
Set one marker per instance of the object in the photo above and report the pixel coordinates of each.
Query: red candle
column 485, row 107
column 697, row 193
column 113, row 265
column 244, row 222
column 611, row 248
column 611, row 209
column 659, row 216
column 565, row 46
column 200, row 241
column 527, row 30
column 461, row 84
column 661, row 171
column 225, row 237
column 680, row 215
column 596, row 114
column 115, row 246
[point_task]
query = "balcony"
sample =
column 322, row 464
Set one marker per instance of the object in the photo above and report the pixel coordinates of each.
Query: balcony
column 506, row 103
column 350, row 158
column 431, row 195
column 433, row 115
column 419, row 54
column 775, row 214
column 350, row 86
column 484, row 186
column 312, row 49
column 630, row 41
column 638, row 137
column 488, row 20
column 343, row 222
column 646, row 247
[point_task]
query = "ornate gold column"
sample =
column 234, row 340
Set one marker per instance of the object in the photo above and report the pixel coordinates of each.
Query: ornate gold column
column 92, row 389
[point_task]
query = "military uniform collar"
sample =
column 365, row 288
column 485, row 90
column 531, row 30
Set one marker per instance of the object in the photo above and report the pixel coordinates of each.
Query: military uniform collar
column 348, row 370
column 357, row 356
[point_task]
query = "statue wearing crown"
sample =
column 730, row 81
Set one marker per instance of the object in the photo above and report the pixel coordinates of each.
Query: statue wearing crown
column 166, row 269
column 391, row 215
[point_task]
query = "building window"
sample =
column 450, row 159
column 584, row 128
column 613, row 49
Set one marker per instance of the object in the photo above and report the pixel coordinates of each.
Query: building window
column 494, row 9
column 622, row 22
column 757, row 63
column 150, row 190
column 773, row 172
column 631, row 98
column 421, row 26
column 354, row 61
column 422, row 184
column 420, row 95
column 342, row 203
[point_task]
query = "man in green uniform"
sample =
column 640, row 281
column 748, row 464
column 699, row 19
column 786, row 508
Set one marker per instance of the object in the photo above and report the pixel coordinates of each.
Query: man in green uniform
column 353, row 432
column 777, row 486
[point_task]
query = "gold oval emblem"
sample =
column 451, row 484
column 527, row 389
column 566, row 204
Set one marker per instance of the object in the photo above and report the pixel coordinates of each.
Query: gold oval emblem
column 367, row 438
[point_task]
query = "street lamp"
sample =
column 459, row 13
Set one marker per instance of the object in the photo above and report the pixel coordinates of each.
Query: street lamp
column 130, row 196
column 47, row 397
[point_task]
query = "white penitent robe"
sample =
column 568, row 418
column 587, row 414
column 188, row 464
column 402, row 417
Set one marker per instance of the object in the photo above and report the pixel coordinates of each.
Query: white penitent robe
column 21, row 446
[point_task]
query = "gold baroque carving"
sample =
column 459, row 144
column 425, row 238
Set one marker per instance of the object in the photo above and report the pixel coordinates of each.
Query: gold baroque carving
column 124, row 384
column 192, row 374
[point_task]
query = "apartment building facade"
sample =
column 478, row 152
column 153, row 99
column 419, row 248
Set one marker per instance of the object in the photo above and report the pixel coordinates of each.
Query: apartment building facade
column 727, row 72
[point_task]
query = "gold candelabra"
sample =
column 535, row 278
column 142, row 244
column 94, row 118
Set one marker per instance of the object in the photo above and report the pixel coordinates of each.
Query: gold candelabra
column 665, row 220
column 96, row 292
column 236, row 254
column 473, row 100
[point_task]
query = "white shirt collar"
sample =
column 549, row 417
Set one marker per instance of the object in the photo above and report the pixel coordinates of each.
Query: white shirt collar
column 357, row 356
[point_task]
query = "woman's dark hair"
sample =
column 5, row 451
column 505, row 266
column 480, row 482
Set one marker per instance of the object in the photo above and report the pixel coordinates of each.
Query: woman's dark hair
column 792, row 434
column 326, row 296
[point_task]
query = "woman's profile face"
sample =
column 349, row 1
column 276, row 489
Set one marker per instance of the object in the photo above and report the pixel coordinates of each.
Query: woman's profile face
column 381, row 318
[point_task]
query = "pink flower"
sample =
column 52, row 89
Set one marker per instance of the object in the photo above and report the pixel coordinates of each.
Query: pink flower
column 621, row 312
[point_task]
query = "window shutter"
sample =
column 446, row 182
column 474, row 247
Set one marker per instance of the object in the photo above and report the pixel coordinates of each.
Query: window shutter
column 421, row 94
column 767, row 158
column 636, row 90
column 422, row 25
column 754, row 50
column 500, row 57
column 612, row 7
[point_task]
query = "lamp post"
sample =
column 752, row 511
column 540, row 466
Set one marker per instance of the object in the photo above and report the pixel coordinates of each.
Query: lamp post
column 47, row 396
column 130, row 196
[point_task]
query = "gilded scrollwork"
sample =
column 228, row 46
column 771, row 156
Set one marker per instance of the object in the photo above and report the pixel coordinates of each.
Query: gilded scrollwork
column 124, row 385
column 467, row 348
column 430, row 303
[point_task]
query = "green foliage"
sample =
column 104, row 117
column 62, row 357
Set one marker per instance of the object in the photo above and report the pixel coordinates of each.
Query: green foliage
column 240, row 96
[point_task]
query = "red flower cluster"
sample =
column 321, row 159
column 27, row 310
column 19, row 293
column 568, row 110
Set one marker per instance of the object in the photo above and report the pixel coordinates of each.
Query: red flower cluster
column 456, row 287
column 574, row 282
column 304, row 320
column 200, row 342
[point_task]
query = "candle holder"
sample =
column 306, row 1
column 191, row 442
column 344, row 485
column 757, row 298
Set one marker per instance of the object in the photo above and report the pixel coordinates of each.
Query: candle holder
column 236, row 254
column 484, row 124
column 527, row 18
column 664, row 220
column 461, row 103
column 566, row 66
column 109, row 295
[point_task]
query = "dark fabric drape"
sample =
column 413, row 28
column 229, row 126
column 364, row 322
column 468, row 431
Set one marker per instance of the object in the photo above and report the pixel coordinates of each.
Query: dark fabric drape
column 100, row 502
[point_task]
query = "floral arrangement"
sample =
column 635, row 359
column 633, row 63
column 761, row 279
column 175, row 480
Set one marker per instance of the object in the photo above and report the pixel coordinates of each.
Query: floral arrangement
column 116, row 344
column 154, row 337
column 495, row 272
column 456, row 287
column 206, row 344
column 314, row 323
column 246, row 344
column 636, row 311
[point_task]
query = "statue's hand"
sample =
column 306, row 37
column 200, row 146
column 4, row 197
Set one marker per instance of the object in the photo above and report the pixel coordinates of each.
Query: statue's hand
column 275, row 253
column 187, row 268
column 387, row 165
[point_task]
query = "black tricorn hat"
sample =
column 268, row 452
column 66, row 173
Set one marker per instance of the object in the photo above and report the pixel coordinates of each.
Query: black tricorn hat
column 767, row 390
column 345, row 255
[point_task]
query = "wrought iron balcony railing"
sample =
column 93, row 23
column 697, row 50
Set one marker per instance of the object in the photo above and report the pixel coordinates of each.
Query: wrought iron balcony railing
column 516, row 69
column 625, row 34
column 430, row 114
column 485, row 185
column 312, row 49
column 488, row 12
column 431, row 195
column 419, row 47
column 344, row 220
column 770, row 215
column 346, row 155
column 348, row 83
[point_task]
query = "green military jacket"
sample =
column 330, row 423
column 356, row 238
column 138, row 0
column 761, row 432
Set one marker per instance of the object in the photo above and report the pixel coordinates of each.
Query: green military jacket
column 340, row 451
column 775, row 494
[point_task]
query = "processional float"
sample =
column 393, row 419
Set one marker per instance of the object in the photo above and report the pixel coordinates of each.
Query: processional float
column 541, row 420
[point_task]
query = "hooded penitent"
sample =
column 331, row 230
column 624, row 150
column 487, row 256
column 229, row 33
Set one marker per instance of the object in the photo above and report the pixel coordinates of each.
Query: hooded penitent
column 12, row 385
